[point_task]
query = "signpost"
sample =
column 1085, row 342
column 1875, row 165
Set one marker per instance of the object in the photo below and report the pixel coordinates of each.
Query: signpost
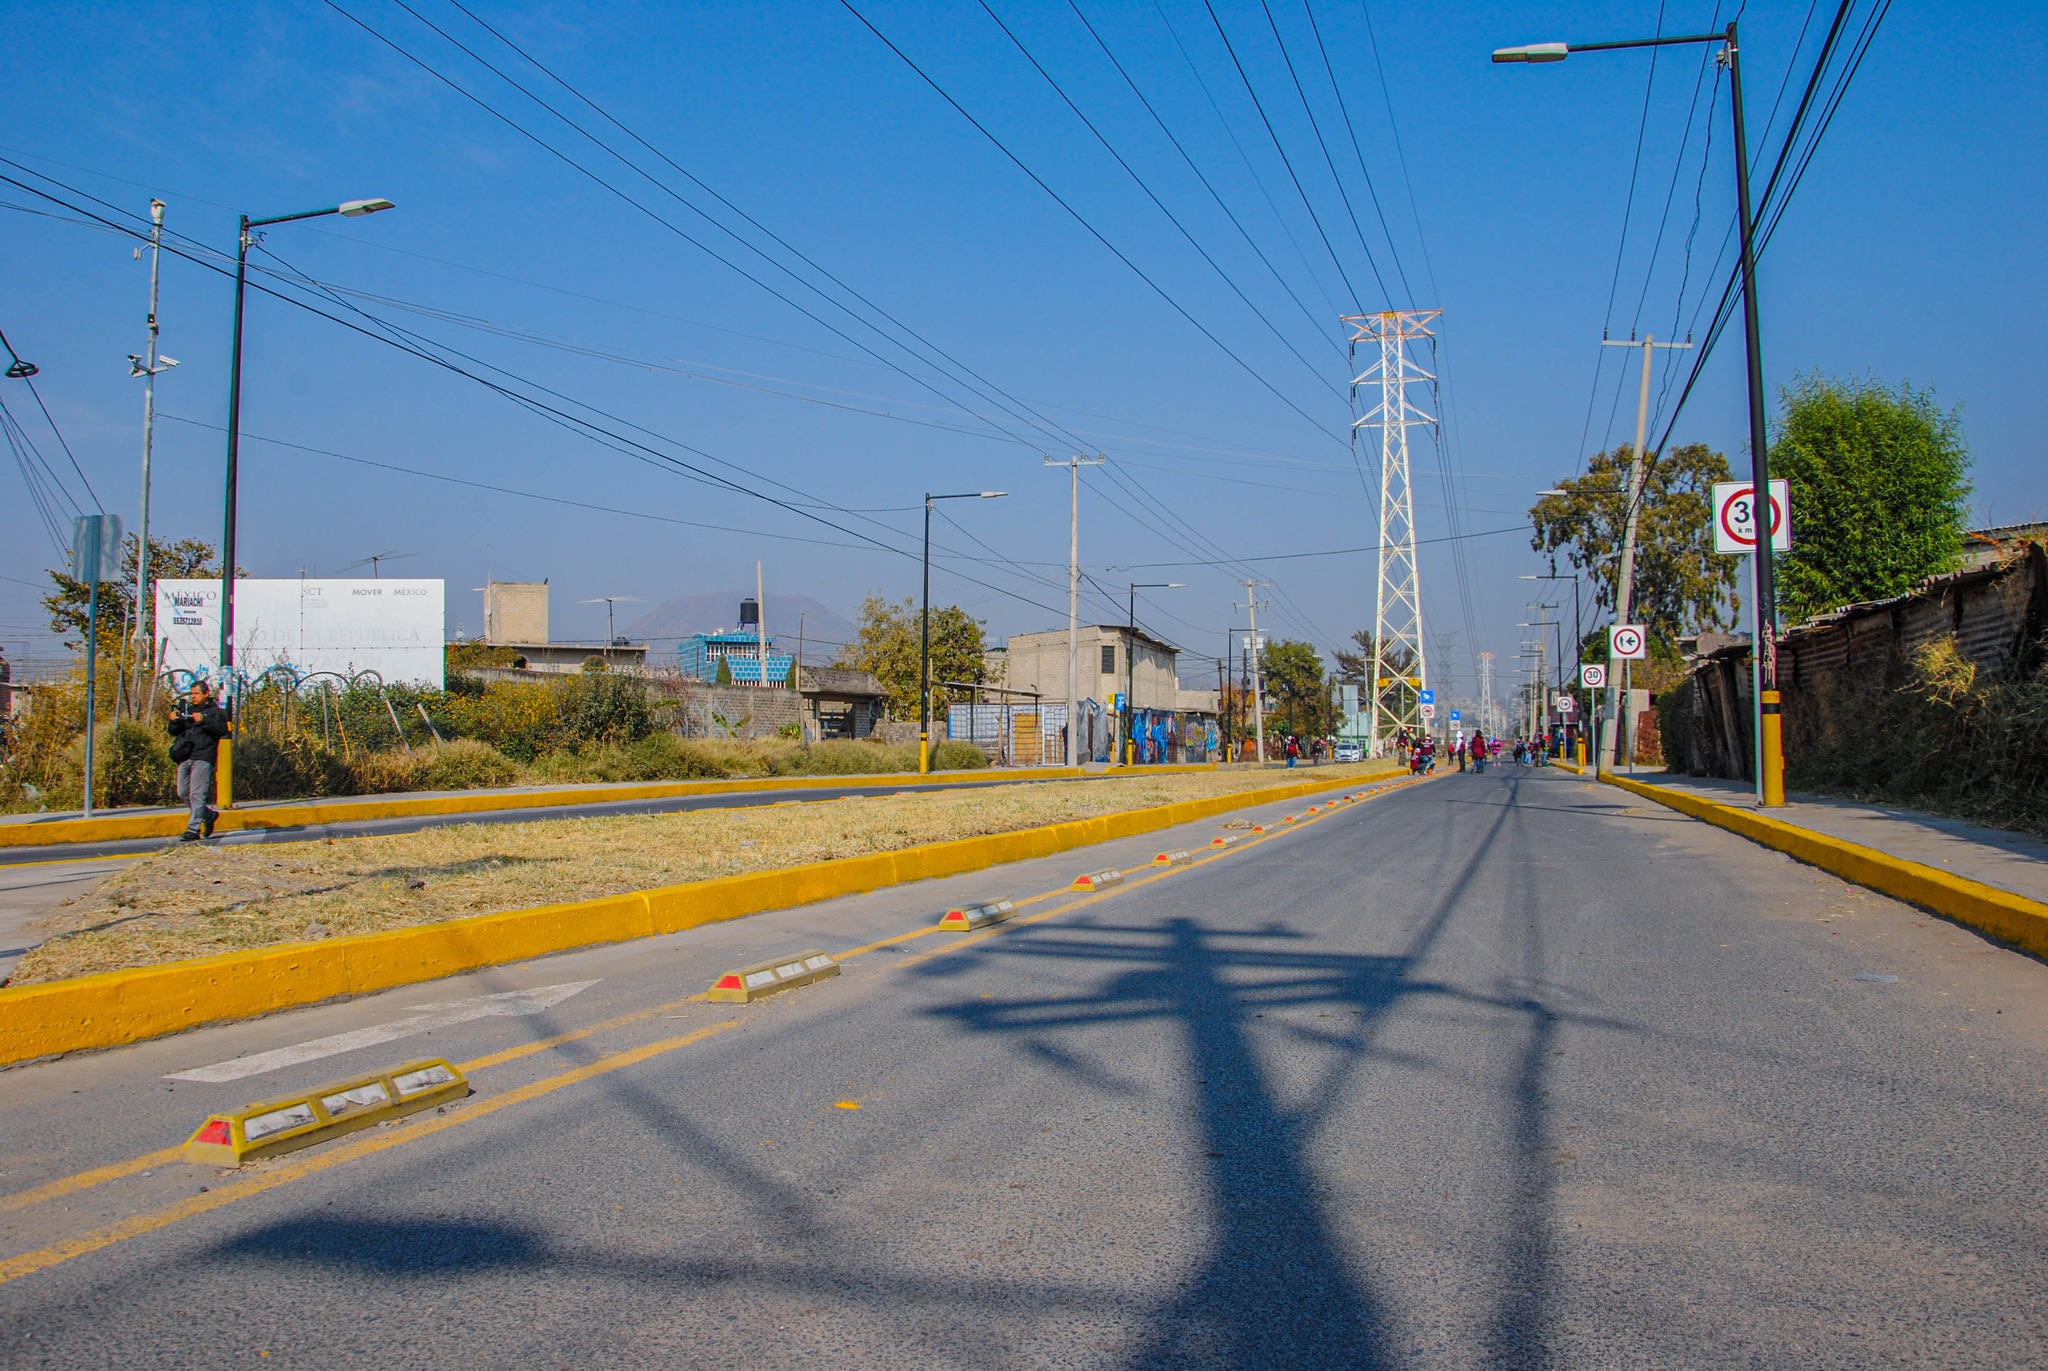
column 1735, row 517
column 1627, row 644
column 95, row 557
column 1593, row 675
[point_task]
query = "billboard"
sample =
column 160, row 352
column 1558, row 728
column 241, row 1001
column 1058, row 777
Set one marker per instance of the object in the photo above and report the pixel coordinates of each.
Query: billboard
column 394, row 628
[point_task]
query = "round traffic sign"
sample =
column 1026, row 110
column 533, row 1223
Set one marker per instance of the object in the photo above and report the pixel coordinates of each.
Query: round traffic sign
column 1594, row 674
column 1737, row 515
column 1627, row 641
column 1427, row 709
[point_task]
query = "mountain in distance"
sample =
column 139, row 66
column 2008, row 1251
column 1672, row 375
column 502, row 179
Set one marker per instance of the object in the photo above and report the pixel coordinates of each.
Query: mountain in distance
column 663, row 626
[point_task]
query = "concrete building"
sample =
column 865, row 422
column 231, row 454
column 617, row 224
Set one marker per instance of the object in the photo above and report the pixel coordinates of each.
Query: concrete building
column 515, row 612
column 1171, row 724
column 516, row 616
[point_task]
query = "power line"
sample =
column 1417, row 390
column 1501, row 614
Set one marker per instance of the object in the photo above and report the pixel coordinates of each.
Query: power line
column 1082, row 220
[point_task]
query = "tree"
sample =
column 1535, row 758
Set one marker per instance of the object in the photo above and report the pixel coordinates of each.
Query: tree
column 189, row 558
column 1293, row 671
column 1681, row 584
column 1880, row 488
column 1355, row 668
column 886, row 638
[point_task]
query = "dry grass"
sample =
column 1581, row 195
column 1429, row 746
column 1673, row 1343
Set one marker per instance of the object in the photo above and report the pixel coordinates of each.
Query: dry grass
column 195, row 901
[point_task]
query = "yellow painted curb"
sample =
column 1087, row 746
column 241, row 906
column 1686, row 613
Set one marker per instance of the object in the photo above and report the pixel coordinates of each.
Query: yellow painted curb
column 356, row 809
column 2014, row 918
column 116, row 1007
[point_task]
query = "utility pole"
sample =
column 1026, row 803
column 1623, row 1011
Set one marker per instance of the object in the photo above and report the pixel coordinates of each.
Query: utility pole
column 1486, row 720
column 1638, row 471
column 761, row 622
column 1073, row 465
column 147, row 366
column 1397, row 594
column 1253, row 606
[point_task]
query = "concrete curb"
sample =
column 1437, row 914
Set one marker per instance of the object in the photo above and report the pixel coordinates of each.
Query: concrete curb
column 118, row 1007
column 355, row 809
column 2013, row 918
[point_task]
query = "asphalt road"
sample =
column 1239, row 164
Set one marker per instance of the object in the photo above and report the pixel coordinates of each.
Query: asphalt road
column 1501, row 1070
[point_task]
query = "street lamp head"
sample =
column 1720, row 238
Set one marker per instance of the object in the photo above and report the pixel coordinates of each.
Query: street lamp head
column 1552, row 491
column 1533, row 52
column 356, row 209
column 993, row 494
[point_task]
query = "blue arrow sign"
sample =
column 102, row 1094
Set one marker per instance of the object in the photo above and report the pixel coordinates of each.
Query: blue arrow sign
column 1428, row 697
column 1454, row 716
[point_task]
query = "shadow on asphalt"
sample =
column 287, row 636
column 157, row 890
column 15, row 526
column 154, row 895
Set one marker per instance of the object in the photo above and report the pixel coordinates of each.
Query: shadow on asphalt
column 1274, row 1288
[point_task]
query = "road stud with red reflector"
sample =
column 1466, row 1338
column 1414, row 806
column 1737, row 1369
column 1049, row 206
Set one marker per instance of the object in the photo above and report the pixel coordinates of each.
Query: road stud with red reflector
column 1173, row 858
column 1098, row 880
column 750, row 983
column 973, row 916
column 1223, row 840
column 254, row 1131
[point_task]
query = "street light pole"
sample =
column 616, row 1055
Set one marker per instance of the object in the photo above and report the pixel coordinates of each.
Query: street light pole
column 1130, row 710
column 924, row 650
column 1771, row 780
column 352, row 209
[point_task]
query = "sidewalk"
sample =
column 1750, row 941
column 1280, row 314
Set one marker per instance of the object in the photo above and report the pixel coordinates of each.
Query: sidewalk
column 2009, row 861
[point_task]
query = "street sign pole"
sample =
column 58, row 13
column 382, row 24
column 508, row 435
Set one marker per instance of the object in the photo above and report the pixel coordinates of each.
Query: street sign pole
column 95, row 551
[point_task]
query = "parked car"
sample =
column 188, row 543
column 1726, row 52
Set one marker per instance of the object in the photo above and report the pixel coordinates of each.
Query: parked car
column 1350, row 752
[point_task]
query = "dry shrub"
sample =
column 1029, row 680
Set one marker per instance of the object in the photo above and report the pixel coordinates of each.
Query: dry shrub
column 1934, row 733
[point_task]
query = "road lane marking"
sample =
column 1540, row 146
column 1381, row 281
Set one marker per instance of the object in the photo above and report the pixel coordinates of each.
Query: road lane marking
column 509, row 1003
column 312, row 1163
column 85, row 1180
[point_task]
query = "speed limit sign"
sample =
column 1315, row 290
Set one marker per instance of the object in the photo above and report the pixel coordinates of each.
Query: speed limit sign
column 1628, row 643
column 1735, row 516
column 1593, row 675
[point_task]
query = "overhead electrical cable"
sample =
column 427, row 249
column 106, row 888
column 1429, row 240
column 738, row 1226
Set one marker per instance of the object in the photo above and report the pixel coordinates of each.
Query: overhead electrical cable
column 1153, row 196
column 1083, row 221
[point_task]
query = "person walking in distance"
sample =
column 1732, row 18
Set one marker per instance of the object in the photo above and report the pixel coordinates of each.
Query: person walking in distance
column 196, row 728
column 1478, row 748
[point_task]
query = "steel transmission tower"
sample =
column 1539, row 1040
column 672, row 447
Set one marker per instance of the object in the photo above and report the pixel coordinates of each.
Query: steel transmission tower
column 1488, row 724
column 1400, row 664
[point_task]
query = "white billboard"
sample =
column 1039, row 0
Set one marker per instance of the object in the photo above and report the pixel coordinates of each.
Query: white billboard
column 394, row 628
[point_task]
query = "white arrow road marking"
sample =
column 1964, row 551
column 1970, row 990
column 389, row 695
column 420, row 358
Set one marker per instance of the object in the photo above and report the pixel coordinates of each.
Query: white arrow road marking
column 425, row 1017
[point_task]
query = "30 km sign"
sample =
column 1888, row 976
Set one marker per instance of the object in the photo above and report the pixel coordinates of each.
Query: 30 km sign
column 1628, row 643
column 1735, row 516
column 1593, row 675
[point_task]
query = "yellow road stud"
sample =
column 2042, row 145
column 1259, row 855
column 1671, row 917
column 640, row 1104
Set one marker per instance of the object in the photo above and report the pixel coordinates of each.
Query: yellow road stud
column 254, row 1131
column 765, row 978
column 1172, row 858
column 1098, row 880
column 972, row 916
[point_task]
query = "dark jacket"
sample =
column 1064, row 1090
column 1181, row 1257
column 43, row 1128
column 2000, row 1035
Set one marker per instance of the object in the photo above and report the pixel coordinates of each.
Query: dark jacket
column 203, row 730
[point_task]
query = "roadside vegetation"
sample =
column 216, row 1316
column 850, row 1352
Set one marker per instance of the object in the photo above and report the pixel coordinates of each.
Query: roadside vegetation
column 366, row 739
column 195, row 901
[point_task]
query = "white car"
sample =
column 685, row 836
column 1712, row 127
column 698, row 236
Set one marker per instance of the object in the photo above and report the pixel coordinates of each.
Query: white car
column 1350, row 752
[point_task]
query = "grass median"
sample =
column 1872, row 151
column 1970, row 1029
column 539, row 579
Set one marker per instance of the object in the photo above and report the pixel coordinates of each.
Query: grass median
column 194, row 901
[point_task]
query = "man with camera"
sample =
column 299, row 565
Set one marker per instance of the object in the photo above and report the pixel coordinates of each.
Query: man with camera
column 196, row 728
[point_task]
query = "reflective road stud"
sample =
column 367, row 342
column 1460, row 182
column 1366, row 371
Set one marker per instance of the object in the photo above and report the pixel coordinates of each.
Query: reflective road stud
column 1172, row 858
column 981, row 915
column 752, row 982
column 240, row 1135
column 1098, row 880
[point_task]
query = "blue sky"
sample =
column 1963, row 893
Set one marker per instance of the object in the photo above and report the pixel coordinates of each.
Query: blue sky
column 1910, row 253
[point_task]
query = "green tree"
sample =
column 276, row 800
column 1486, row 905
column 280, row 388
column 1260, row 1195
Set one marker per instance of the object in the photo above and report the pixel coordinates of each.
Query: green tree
column 1293, row 671
column 1355, row 668
column 1879, row 480
column 1681, row 584
column 886, row 642
column 66, row 605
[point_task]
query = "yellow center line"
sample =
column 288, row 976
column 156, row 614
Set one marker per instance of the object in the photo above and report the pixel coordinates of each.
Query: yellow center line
column 312, row 1163
column 85, row 1180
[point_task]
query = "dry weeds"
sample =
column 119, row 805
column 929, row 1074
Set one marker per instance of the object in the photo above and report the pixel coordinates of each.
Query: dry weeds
column 194, row 901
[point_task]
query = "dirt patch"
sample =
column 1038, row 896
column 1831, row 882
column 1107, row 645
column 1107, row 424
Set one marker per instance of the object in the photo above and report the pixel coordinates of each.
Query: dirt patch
column 194, row 901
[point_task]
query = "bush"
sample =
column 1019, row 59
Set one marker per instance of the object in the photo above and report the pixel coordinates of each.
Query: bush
column 288, row 768
column 466, row 764
column 957, row 756
column 134, row 764
column 386, row 773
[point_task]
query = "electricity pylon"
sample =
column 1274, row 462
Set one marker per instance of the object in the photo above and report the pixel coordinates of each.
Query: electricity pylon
column 1400, row 664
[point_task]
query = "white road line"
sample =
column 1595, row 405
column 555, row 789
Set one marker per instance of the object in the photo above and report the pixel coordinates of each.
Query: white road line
column 425, row 1017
